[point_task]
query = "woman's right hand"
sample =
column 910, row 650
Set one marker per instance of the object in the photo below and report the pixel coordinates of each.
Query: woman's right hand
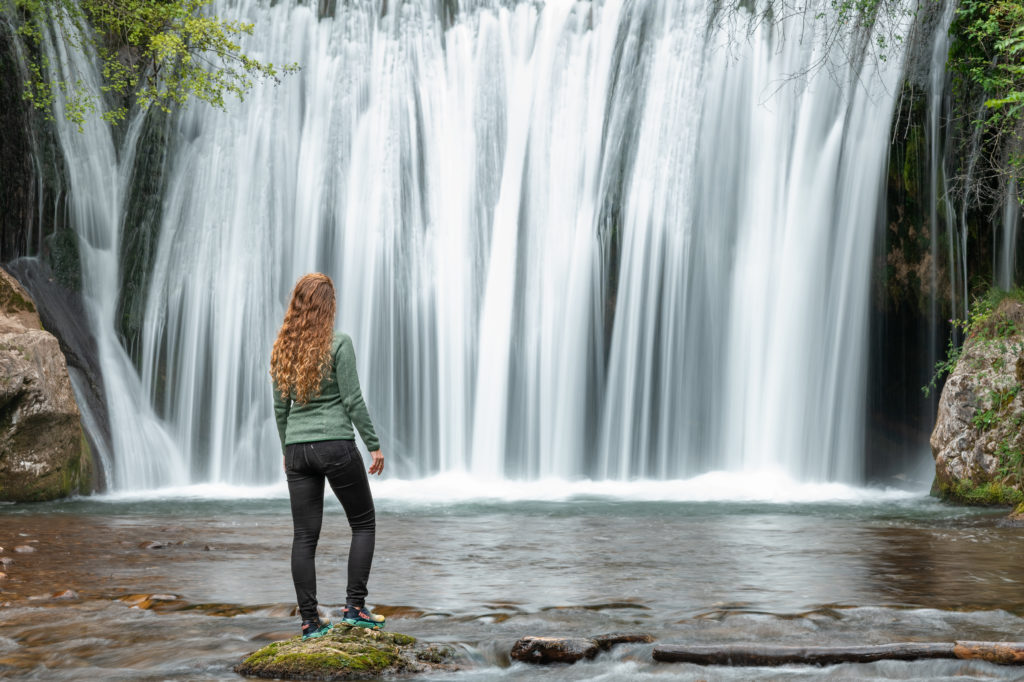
column 378, row 463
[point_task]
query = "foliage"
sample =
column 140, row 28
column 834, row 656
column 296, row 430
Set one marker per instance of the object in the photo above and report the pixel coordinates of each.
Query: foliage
column 987, row 493
column 997, row 410
column 980, row 324
column 879, row 16
column 987, row 60
column 152, row 53
column 1011, row 462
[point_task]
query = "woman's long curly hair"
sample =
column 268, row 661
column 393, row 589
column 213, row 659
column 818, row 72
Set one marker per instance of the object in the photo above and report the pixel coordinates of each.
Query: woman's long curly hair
column 302, row 351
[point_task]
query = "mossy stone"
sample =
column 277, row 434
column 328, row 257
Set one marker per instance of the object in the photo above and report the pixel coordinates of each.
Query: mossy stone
column 992, row 493
column 345, row 653
column 12, row 300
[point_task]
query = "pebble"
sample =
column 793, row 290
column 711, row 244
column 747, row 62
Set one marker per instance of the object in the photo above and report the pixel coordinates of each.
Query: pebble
column 6, row 561
column 66, row 594
column 151, row 544
column 24, row 549
column 3, row 576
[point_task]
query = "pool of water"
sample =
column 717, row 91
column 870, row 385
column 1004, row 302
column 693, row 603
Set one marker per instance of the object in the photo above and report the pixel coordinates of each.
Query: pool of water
column 480, row 573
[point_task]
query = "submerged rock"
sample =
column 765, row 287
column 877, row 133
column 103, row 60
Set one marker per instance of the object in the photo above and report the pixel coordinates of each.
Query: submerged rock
column 43, row 454
column 554, row 649
column 978, row 440
column 346, row 653
column 608, row 641
column 1015, row 519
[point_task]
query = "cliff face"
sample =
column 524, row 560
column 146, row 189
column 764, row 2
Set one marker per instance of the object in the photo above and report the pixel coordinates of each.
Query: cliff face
column 43, row 454
column 978, row 440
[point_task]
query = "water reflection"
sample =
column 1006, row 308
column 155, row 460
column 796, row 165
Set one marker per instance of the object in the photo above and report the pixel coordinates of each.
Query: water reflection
column 182, row 589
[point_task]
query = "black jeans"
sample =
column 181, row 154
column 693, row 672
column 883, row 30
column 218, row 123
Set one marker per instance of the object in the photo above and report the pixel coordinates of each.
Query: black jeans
column 307, row 465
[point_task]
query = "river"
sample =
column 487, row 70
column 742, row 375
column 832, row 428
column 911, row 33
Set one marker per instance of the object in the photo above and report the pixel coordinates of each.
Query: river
column 481, row 567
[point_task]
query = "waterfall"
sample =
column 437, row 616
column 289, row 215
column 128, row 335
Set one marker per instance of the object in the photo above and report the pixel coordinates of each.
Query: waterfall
column 616, row 239
column 98, row 175
column 1006, row 250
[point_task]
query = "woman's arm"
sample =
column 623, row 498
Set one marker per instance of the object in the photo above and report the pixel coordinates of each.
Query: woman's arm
column 281, row 409
column 352, row 395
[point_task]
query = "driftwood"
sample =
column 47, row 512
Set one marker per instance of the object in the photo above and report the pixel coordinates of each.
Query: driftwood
column 1006, row 653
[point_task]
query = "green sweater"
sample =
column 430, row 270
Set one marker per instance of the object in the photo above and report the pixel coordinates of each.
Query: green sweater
column 329, row 415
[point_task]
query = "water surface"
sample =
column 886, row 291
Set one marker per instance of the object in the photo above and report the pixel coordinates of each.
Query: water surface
column 876, row 567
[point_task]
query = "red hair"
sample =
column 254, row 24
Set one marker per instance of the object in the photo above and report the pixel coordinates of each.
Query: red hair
column 302, row 352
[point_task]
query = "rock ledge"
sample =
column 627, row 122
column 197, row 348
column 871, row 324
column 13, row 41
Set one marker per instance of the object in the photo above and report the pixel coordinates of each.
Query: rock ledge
column 978, row 440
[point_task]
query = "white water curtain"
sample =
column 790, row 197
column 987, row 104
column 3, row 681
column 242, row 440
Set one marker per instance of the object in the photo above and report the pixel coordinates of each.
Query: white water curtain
column 610, row 239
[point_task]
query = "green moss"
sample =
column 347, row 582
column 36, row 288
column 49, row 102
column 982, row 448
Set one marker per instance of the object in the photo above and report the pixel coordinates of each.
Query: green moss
column 364, row 661
column 85, row 466
column 264, row 655
column 991, row 493
column 344, row 653
column 994, row 317
column 12, row 301
column 402, row 640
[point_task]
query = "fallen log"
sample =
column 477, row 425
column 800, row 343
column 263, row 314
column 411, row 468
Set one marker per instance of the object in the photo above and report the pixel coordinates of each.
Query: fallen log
column 1006, row 653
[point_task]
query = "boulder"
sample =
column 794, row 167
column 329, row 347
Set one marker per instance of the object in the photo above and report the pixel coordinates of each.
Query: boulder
column 347, row 653
column 554, row 649
column 43, row 455
column 978, row 439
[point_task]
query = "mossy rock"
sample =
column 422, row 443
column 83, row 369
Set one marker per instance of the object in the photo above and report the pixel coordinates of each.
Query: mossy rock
column 14, row 299
column 345, row 653
column 978, row 439
column 990, row 493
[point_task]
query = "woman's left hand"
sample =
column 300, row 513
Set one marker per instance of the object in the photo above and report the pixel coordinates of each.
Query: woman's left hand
column 378, row 463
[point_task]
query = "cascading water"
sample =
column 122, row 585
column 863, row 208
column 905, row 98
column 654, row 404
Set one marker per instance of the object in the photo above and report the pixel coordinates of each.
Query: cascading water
column 611, row 240
column 98, row 177
column 1006, row 250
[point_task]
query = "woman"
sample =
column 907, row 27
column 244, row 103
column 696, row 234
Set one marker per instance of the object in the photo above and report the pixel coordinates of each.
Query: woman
column 317, row 399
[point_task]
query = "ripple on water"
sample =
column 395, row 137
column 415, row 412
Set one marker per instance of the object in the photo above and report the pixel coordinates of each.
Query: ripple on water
column 484, row 574
column 8, row 644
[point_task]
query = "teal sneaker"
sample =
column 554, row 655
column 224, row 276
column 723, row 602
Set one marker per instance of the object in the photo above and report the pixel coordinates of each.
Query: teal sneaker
column 314, row 628
column 362, row 617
